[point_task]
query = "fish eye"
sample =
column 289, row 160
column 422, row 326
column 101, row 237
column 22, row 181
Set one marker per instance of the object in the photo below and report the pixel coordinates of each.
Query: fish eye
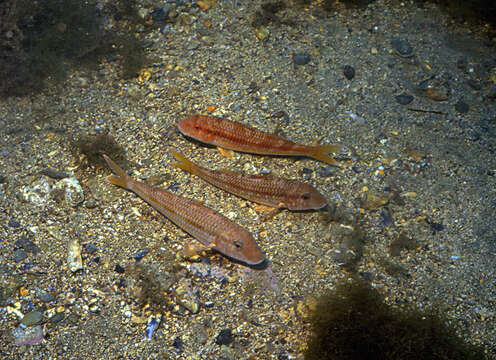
column 196, row 126
column 238, row 244
column 305, row 196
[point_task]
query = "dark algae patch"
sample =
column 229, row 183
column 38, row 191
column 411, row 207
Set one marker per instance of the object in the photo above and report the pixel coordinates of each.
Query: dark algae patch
column 354, row 322
column 92, row 147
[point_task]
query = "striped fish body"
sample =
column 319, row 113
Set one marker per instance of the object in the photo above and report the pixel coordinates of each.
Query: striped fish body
column 235, row 136
column 270, row 191
column 206, row 225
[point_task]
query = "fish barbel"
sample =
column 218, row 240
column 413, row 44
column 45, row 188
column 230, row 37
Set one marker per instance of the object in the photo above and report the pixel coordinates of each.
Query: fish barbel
column 232, row 135
column 212, row 229
column 266, row 190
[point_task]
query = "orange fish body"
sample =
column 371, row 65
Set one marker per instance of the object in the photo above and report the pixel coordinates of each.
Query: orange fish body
column 206, row 225
column 235, row 136
column 270, row 191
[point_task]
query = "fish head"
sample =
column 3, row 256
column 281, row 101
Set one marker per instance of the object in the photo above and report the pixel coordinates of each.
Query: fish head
column 240, row 245
column 196, row 127
column 305, row 197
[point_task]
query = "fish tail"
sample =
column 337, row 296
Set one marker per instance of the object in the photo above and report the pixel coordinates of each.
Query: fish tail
column 183, row 163
column 121, row 178
column 322, row 153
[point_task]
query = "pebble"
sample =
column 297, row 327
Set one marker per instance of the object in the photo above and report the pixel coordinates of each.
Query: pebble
column 20, row 255
column 32, row 318
column 404, row 99
column 58, row 317
column 349, row 72
column 140, row 254
column 301, row 58
column 27, row 336
column 227, row 353
column 402, row 48
column 119, row 269
column 90, row 248
column 462, row 107
column 14, row 223
column 27, row 245
column 225, row 337
column 44, row 296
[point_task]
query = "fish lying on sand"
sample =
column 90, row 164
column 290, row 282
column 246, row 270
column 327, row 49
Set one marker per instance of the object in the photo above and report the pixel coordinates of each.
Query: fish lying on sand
column 266, row 190
column 212, row 229
column 232, row 135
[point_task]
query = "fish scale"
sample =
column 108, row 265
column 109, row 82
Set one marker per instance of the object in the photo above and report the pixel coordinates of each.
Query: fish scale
column 206, row 225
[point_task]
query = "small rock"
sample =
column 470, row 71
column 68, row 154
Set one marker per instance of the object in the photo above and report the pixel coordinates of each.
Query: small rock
column 227, row 353
column 437, row 93
column 462, row 107
column 301, row 58
column 349, row 72
column 44, row 296
column 160, row 14
column 90, row 248
column 474, row 84
column 119, row 269
column 27, row 245
column 20, row 255
column 225, row 337
column 140, row 254
column 402, row 48
column 32, row 318
column 58, row 317
column 29, row 336
column 404, row 99
column 14, row 223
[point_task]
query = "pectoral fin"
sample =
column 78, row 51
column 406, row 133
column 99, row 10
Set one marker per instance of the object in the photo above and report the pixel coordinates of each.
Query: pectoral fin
column 227, row 153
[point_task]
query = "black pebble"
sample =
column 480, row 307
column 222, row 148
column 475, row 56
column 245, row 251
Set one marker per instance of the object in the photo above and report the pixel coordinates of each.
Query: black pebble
column 119, row 269
column 462, row 107
column 225, row 337
column 20, row 255
column 178, row 344
column 90, row 248
column 403, row 47
column 27, row 245
column 14, row 223
column 326, row 171
column 404, row 99
column 140, row 254
column 349, row 72
column 302, row 58
column 160, row 14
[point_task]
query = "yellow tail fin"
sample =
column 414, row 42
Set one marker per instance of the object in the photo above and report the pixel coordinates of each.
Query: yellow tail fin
column 121, row 178
column 322, row 153
column 183, row 163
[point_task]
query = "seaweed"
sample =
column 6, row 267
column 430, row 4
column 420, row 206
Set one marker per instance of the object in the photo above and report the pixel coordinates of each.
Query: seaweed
column 354, row 322
column 40, row 41
column 94, row 146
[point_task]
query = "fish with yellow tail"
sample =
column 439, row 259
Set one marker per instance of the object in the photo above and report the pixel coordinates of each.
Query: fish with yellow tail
column 271, row 191
column 231, row 135
column 212, row 229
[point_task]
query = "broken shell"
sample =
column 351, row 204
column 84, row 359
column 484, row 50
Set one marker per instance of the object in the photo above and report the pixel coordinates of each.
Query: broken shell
column 74, row 259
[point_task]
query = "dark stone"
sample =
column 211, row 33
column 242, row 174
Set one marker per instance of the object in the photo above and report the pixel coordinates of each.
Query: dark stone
column 90, row 248
column 326, row 171
column 58, row 317
column 160, row 14
column 403, row 47
column 462, row 107
column 404, row 99
column 14, row 223
column 140, row 254
column 306, row 171
column 20, row 255
column 225, row 337
column 301, row 58
column 27, row 245
column 178, row 344
column 349, row 72
column 119, row 269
